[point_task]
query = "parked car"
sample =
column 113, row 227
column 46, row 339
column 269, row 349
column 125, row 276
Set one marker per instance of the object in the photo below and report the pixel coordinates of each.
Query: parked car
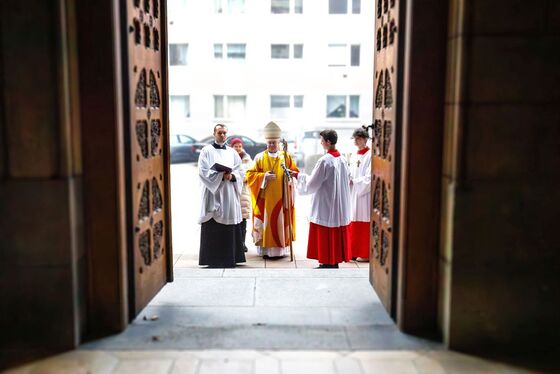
column 252, row 147
column 182, row 148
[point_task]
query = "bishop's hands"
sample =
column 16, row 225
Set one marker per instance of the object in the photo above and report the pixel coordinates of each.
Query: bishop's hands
column 269, row 176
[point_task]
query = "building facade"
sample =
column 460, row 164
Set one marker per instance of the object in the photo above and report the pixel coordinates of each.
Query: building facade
column 307, row 65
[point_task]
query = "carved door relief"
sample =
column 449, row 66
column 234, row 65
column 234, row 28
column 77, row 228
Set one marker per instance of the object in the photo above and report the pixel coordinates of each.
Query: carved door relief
column 148, row 174
column 385, row 129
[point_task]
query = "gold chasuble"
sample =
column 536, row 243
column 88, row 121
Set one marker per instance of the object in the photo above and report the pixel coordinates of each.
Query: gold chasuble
column 269, row 199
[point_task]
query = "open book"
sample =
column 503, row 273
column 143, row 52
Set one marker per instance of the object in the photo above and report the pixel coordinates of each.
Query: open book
column 221, row 168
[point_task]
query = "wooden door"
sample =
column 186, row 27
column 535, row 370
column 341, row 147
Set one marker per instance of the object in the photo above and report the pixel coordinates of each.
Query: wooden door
column 145, row 69
column 386, row 129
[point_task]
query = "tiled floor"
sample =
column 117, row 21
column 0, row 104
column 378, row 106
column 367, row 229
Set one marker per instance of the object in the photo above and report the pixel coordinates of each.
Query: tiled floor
column 263, row 362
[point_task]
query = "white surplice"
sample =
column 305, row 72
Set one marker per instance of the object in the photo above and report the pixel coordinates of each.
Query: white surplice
column 220, row 198
column 329, row 185
column 360, row 173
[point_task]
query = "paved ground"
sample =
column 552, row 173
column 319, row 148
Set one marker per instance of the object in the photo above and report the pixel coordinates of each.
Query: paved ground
column 272, row 304
column 265, row 362
column 275, row 317
column 265, row 309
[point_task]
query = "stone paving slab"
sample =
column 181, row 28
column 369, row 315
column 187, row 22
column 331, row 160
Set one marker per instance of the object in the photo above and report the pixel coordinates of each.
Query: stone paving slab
column 229, row 316
column 178, row 336
column 367, row 314
column 207, row 292
column 296, row 273
column 265, row 362
column 314, row 292
column 179, row 273
column 227, row 337
column 385, row 337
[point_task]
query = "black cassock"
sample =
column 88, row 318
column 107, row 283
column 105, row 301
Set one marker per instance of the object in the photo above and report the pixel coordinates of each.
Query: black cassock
column 221, row 246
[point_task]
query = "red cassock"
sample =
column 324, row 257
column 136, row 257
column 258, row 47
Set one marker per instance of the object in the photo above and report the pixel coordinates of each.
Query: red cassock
column 329, row 245
column 359, row 239
column 329, row 227
column 360, row 196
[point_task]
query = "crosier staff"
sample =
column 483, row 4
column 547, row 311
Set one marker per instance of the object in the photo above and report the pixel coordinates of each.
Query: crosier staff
column 286, row 195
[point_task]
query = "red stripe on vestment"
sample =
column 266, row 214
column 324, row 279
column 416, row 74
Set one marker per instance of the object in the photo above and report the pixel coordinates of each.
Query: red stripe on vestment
column 274, row 223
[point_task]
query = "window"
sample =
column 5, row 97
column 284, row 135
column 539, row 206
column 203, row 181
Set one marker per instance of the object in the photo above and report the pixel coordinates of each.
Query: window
column 337, row 106
column 230, row 107
column 247, row 142
column 343, row 55
column 282, row 51
column 229, row 6
column 356, row 6
column 281, row 105
column 218, row 51
column 179, row 107
column 235, row 51
column 355, row 55
column 298, row 50
column 178, row 54
column 284, row 6
column 280, row 6
column 341, row 6
column 185, row 139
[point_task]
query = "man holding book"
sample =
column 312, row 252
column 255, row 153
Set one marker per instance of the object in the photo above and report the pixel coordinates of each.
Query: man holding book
column 221, row 176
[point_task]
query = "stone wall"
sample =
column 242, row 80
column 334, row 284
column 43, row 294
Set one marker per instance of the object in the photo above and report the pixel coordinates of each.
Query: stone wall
column 42, row 260
column 500, row 255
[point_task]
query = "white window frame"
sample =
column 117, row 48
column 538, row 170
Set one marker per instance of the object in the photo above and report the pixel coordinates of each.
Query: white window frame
column 226, row 107
column 345, row 59
column 224, row 7
column 347, row 105
column 176, row 48
column 291, row 7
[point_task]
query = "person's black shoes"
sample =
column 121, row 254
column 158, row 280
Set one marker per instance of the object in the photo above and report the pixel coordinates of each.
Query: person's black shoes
column 327, row 266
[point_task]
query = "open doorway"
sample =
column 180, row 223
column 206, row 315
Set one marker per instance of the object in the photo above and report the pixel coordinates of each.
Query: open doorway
column 259, row 305
column 147, row 158
column 305, row 80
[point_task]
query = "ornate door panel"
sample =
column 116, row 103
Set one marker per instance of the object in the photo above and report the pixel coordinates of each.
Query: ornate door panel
column 145, row 69
column 385, row 131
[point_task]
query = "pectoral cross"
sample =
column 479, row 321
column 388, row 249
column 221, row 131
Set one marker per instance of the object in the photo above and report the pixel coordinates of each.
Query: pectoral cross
column 359, row 163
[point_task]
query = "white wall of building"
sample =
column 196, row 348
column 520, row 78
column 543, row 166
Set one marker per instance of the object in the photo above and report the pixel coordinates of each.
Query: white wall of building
column 258, row 76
